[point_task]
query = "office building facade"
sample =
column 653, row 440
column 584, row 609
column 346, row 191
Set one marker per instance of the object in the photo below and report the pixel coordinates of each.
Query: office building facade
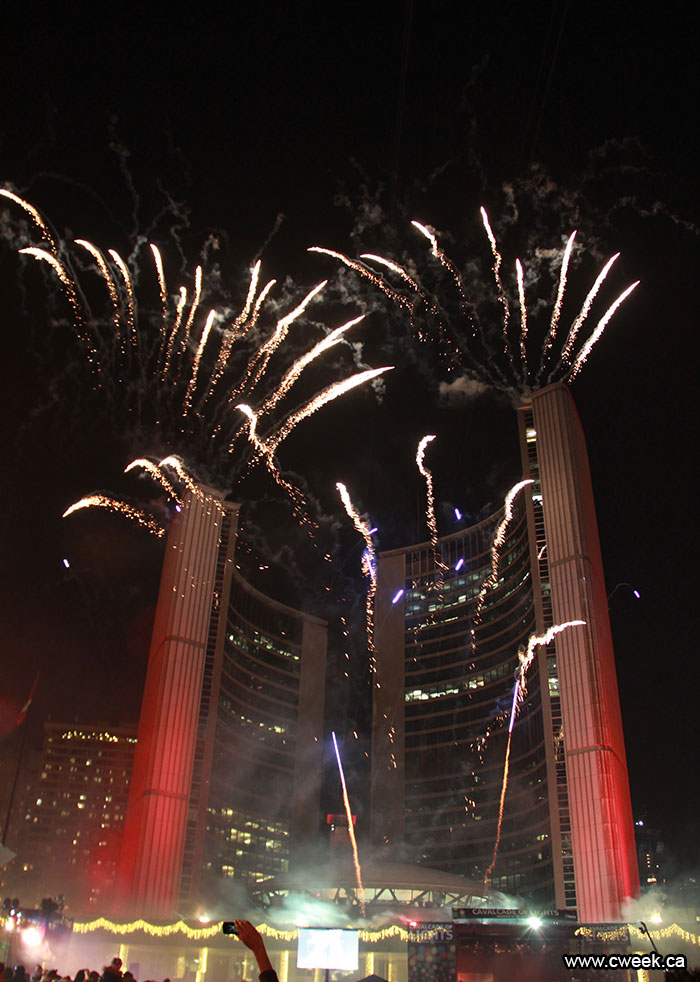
column 227, row 773
column 447, row 656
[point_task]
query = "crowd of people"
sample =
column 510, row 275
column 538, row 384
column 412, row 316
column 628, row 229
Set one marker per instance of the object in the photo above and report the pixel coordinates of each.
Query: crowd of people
column 114, row 972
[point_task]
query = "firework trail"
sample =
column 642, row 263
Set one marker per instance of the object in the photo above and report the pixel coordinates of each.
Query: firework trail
column 586, row 350
column 119, row 507
column 156, row 472
column 523, row 314
column 323, row 398
column 176, row 464
column 130, row 299
column 259, row 363
column 470, row 349
column 556, row 311
column 499, row 538
column 583, row 313
column 197, row 359
column 430, row 507
column 367, row 273
column 442, row 258
column 506, row 768
column 234, row 332
column 33, row 214
column 351, row 830
column 298, row 367
column 181, row 303
column 193, row 309
column 106, row 275
column 160, row 273
column 467, row 308
column 265, row 449
column 502, row 298
column 525, row 658
column 43, row 256
column 369, row 567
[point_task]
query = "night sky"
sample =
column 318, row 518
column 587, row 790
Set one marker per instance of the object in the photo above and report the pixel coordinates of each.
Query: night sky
column 335, row 125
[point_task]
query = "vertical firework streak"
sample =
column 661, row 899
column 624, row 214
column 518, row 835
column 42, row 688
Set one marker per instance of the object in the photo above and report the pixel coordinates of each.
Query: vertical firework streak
column 504, row 786
column 525, row 658
column 430, row 508
column 556, row 311
column 351, row 830
column 197, row 358
column 523, row 316
column 173, row 334
column 499, row 538
column 193, row 308
column 130, row 300
column 369, row 568
column 158, row 261
column 234, row 332
column 502, row 298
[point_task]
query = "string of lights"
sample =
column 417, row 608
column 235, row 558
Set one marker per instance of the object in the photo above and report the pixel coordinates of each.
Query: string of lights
column 619, row 933
column 394, row 931
column 211, row 930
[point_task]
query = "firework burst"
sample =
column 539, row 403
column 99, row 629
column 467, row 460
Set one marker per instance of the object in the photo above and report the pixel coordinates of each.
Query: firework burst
column 500, row 360
column 179, row 377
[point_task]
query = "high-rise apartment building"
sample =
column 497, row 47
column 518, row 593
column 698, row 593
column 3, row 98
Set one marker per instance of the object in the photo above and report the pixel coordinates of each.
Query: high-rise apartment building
column 447, row 655
column 69, row 832
column 227, row 773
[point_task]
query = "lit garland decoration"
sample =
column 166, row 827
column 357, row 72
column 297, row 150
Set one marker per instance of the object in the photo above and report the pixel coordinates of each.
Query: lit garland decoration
column 168, row 930
column 663, row 933
column 371, row 937
column 155, row 930
column 211, row 930
column 672, row 931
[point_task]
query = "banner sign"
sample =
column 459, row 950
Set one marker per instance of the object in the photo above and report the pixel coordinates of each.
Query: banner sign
column 431, row 952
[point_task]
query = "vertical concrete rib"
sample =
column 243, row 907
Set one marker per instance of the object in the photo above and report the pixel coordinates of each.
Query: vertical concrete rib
column 602, row 828
column 387, row 782
column 154, row 829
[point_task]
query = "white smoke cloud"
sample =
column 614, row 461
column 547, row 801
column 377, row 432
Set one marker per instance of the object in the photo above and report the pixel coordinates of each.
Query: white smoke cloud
column 461, row 390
